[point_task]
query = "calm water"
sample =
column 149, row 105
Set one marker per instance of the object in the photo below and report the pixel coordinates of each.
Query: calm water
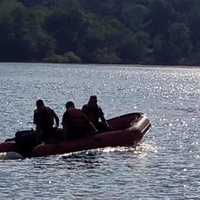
column 165, row 166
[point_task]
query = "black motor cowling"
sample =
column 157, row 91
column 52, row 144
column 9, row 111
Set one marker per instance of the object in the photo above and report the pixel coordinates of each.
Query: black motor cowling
column 26, row 140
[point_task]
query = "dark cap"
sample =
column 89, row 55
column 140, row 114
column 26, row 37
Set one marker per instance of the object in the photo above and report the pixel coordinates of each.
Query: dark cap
column 70, row 104
column 93, row 97
column 39, row 103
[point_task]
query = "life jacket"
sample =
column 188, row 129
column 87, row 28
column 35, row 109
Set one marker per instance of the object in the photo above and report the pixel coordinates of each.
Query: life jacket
column 76, row 117
column 76, row 123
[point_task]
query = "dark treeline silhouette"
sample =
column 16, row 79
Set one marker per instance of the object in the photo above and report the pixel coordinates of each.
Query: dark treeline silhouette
column 100, row 31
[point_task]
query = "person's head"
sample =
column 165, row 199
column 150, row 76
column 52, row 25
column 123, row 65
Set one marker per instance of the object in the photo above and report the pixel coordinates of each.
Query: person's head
column 69, row 104
column 39, row 104
column 93, row 100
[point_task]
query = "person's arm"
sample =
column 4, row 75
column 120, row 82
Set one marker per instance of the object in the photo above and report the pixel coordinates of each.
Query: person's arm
column 56, row 119
column 63, row 118
column 34, row 118
column 93, row 126
column 84, row 109
column 101, row 115
column 65, row 121
column 90, row 123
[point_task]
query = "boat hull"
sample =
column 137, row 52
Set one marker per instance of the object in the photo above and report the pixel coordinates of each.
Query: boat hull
column 127, row 130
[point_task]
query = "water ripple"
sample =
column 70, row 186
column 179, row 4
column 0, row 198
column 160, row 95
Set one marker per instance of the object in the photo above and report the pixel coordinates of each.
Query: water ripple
column 164, row 166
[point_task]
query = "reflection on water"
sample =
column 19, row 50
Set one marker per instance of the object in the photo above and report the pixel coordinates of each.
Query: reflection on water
column 90, row 158
column 164, row 166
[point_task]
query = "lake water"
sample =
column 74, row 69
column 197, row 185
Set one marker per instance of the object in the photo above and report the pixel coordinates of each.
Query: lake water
column 165, row 166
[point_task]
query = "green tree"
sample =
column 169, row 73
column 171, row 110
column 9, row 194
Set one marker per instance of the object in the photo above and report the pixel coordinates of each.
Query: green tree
column 66, row 28
column 160, row 17
column 135, row 49
column 179, row 40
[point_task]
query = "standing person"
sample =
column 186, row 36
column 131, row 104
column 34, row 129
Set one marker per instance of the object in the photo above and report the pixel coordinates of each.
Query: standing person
column 75, row 123
column 95, row 114
column 44, row 120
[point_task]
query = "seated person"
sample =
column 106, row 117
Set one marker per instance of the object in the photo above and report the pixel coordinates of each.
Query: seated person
column 75, row 123
column 95, row 114
column 44, row 120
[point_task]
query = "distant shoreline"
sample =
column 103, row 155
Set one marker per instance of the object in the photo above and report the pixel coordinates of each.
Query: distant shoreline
column 108, row 64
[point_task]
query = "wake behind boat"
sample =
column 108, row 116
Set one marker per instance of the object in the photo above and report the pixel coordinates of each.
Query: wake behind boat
column 127, row 130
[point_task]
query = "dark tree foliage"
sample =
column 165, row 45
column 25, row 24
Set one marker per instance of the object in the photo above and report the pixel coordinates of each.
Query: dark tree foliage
column 108, row 31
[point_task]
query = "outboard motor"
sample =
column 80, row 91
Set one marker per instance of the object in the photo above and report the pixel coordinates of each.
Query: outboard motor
column 26, row 141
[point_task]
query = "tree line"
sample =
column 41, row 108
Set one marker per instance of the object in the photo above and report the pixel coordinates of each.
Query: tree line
column 163, row 32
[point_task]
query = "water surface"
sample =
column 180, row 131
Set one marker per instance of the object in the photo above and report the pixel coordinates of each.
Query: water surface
column 165, row 166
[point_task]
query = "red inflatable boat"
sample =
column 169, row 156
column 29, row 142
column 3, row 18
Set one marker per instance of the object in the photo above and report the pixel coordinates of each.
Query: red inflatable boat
column 127, row 130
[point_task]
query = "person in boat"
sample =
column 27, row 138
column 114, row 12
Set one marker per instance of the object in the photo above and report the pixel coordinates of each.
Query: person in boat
column 95, row 114
column 44, row 118
column 75, row 123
